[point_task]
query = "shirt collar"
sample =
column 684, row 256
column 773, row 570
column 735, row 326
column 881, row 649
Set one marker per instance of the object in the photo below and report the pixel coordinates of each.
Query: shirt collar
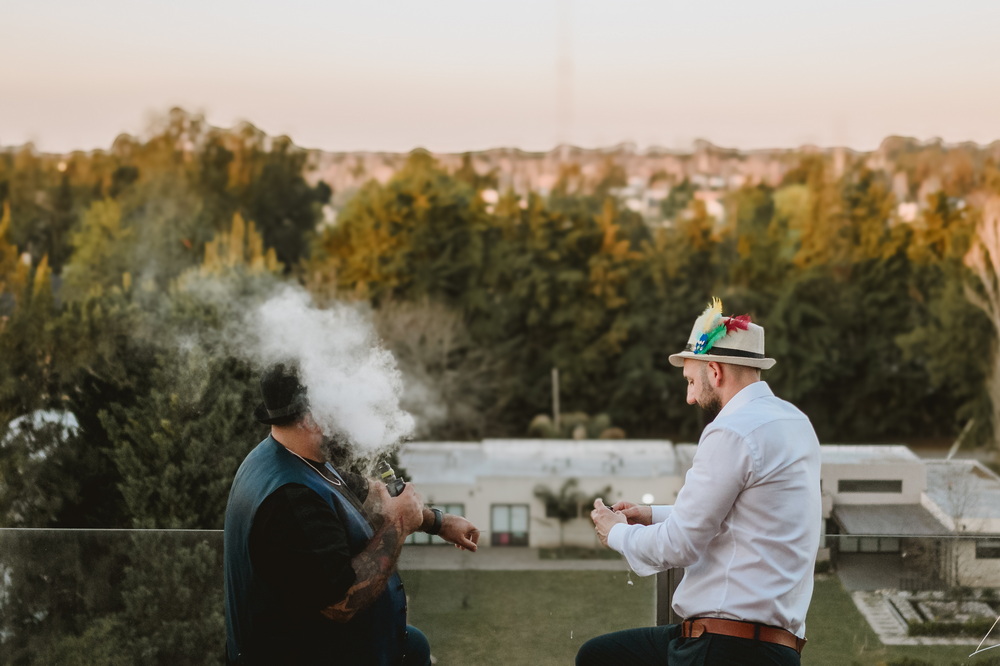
column 758, row 389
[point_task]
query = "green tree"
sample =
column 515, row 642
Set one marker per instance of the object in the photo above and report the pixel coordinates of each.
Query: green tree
column 283, row 204
column 467, row 173
column 177, row 448
column 566, row 504
column 419, row 235
column 103, row 252
column 678, row 199
column 983, row 291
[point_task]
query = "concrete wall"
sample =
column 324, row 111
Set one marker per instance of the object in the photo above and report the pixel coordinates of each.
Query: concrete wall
column 972, row 572
column 912, row 475
column 480, row 496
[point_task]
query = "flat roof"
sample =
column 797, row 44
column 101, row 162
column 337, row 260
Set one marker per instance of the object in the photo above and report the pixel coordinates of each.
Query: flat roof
column 963, row 488
column 888, row 519
column 464, row 462
column 869, row 454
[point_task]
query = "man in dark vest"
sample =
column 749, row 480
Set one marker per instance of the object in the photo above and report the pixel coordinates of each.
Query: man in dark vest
column 311, row 550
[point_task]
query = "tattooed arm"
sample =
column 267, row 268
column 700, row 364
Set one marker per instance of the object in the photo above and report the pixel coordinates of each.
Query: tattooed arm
column 453, row 529
column 400, row 517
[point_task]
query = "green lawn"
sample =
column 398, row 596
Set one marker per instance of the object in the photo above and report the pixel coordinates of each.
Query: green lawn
column 540, row 617
column 522, row 617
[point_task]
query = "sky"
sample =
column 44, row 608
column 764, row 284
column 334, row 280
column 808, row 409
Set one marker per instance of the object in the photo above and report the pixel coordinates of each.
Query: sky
column 459, row 75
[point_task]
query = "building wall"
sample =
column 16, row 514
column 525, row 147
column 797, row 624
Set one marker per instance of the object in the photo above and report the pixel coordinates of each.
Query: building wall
column 912, row 475
column 480, row 496
column 974, row 572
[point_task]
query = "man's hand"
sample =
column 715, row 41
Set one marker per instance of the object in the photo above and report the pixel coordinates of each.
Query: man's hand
column 401, row 516
column 636, row 514
column 405, row 510
column 459, row 531
column 604, row 519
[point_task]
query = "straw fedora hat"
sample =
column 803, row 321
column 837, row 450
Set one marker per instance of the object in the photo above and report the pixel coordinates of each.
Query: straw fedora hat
column 734, row 340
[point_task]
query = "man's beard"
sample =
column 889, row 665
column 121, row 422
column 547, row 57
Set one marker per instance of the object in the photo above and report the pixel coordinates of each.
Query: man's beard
column 711, row 407
column 336, row 449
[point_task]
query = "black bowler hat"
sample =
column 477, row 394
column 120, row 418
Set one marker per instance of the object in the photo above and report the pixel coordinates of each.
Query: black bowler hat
column 283, row 395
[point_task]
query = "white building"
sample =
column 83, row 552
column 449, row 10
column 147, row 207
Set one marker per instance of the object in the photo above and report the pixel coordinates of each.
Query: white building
column 878, row 501
column 493, row 482
column 966, row 497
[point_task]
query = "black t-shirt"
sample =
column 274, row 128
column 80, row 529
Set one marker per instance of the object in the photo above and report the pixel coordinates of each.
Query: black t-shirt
column 299, row 545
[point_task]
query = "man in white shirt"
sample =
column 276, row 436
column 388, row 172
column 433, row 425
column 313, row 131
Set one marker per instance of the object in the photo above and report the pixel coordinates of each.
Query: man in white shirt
column 745, row 526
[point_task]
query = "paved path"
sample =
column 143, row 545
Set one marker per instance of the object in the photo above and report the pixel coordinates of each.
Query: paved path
column 497, row 558
column 890, row 626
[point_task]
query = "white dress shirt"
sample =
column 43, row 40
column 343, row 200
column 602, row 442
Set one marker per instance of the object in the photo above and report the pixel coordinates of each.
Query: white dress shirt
column 747, row 522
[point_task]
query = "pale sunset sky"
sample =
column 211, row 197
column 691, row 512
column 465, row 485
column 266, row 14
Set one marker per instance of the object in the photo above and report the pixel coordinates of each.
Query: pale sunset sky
column 452, row 75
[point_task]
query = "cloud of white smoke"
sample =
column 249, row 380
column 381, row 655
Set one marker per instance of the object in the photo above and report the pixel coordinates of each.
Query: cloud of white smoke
column 353, row 383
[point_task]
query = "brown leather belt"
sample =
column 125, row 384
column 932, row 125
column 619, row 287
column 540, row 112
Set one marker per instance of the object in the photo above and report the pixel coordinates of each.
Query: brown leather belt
column 758, row 632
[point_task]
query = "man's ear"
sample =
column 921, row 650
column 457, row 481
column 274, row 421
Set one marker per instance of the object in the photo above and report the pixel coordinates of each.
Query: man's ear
column 715, row 374
column 308, row 423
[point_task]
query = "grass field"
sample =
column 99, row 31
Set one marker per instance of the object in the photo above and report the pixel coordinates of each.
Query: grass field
column 522, row 617
column 542, row 617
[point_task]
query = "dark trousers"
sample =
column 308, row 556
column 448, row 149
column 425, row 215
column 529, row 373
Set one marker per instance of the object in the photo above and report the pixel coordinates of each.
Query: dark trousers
column 664, row 646
column 417, row 650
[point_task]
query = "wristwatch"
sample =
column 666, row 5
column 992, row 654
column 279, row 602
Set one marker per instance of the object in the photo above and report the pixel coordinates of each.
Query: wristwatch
column 438, row 519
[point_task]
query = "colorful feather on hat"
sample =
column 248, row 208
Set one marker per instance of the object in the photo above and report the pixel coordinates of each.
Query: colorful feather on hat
column 711, row 315
column 714, row 326
column 740, row 323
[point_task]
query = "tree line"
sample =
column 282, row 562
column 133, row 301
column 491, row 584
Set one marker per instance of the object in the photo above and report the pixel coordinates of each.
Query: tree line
column 871, row 317
column 882, row 327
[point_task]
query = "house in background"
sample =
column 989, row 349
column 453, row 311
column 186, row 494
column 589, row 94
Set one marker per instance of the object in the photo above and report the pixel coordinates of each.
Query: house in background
column 493, row 483
column 965, row 495
column 884, row 508
column 877, row 521
column 875, row 490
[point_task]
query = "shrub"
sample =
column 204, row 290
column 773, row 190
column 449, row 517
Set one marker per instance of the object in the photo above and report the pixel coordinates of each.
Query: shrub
column 977, row 627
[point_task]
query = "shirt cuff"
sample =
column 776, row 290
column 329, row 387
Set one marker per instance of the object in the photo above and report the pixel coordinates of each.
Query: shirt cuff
column 616, row 537
column 660, row 512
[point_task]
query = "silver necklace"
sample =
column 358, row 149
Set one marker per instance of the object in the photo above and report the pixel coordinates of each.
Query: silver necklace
column 334, row 481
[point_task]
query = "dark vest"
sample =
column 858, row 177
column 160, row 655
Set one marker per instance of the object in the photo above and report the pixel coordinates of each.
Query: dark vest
column 258, row 629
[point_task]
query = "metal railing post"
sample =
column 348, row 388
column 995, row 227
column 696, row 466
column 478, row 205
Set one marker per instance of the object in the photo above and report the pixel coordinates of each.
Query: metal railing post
column 666, row 584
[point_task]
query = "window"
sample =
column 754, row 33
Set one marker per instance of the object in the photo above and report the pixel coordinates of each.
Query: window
column 423, row 538
column 869, row 486
column 987, row 549
column 867, row 544
column 509, row 525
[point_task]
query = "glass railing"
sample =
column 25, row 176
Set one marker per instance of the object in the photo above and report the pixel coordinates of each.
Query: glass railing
column 155, row 597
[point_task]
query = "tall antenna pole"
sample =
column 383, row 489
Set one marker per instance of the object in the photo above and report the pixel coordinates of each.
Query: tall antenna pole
column 564, row 75
column 555, row 398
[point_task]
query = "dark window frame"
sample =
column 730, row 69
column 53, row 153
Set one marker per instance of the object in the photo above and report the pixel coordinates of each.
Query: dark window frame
column 987, row 549
column 510, row 537
column 893, row 486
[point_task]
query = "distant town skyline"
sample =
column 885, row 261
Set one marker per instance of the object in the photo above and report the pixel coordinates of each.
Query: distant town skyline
column 455, row 76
